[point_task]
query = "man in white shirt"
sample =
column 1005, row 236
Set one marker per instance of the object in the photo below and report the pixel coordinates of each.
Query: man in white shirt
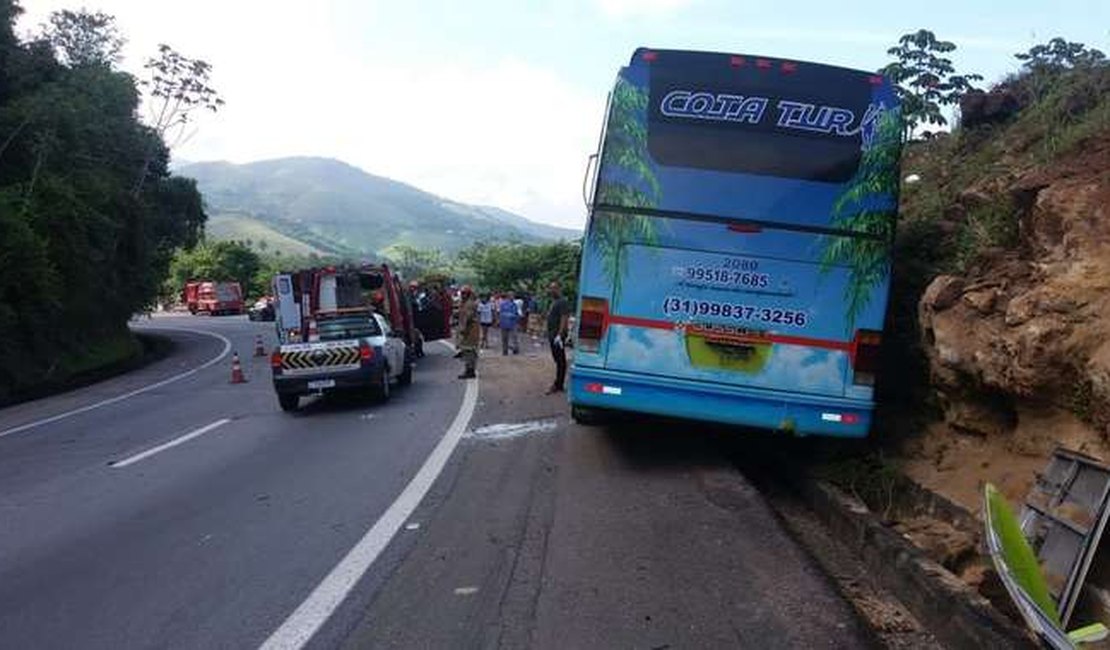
column 485, row 318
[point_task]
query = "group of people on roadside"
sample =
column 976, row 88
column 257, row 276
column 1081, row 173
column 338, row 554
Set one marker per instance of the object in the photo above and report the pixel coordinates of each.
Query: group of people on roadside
column 507, row 313
column 510, row 315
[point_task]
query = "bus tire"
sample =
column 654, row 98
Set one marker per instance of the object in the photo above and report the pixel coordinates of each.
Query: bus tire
column 289, row 401
column 586, row 417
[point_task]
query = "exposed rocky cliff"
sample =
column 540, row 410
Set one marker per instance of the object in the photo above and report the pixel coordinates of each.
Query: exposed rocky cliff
column 1030, row 326
column 1008, row 234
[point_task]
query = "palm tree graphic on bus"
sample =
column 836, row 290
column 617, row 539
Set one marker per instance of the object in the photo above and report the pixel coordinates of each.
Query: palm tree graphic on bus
column 629, row 182
column 867, row 206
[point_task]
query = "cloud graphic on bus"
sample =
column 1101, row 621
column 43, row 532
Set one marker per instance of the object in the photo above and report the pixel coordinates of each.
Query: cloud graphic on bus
column 801, row 368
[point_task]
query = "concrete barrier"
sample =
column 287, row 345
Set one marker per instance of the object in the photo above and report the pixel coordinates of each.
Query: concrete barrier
column 954, row 612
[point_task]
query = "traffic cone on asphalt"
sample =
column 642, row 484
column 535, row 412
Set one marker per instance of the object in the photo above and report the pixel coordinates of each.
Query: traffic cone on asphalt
column 259, row 350
column 236, row 370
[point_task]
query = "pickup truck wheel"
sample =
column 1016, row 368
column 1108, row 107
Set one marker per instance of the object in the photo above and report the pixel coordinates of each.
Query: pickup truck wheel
column 406, row 376
column 289, row 401
column 383, row 389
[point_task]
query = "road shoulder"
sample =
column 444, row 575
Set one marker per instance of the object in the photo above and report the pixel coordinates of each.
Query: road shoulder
column 554, row 535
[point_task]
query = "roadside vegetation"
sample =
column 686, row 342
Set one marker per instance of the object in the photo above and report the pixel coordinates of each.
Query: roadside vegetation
column 90, row 215
column 959, row 211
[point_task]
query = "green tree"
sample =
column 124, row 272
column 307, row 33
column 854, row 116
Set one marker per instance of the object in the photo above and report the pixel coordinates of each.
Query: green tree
column 219, row 261
column 524, row 267
column 1060, row 54
column 414, row 262
column 926, row 79
column 84, row 38
column 80, row 250
column 178, row 87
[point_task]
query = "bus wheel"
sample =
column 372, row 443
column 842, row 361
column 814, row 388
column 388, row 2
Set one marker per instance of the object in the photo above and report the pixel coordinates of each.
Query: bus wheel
column 587, row 417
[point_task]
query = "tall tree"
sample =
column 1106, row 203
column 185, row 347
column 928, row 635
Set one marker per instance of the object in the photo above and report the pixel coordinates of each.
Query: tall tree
column 177, row 87
column 80, row 251
column 926, row 79
column 84, row 38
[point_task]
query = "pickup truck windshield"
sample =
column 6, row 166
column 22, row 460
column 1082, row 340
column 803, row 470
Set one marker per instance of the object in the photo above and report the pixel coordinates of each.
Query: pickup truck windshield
column 347, row 327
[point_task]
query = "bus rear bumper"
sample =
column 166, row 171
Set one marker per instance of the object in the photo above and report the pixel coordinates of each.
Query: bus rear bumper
column 794, row 413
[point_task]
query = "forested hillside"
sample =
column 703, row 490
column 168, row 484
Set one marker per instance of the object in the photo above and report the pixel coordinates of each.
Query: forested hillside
column 334, row 208
column 89, row 214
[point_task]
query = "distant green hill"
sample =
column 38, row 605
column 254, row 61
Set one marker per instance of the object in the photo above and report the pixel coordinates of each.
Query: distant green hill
column 300, row 205
column 240, row 227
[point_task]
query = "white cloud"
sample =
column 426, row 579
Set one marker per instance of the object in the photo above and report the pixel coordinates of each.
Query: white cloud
column 626, row 8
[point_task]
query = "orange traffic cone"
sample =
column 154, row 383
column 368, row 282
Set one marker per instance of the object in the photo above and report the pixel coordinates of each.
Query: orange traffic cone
column 236, row 370
column 259, row 350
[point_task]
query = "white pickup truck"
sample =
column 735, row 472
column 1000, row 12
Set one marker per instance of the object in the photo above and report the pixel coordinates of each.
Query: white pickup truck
column 355, row 350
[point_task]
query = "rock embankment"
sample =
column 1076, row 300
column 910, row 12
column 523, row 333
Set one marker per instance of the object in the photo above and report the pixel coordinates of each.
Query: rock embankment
column 1029, row 328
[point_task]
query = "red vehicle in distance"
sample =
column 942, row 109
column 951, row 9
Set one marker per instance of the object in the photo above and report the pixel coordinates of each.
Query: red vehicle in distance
column 213, row 298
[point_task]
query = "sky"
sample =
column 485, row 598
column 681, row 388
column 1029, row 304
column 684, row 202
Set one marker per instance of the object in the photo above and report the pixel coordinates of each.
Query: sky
column 500, row 102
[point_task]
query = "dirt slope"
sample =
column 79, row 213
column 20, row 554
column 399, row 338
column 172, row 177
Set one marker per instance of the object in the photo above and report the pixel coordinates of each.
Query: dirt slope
column 1015, row 327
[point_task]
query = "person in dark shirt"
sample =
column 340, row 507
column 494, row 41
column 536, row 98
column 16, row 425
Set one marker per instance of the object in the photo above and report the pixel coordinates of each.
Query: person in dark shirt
column 558, row 316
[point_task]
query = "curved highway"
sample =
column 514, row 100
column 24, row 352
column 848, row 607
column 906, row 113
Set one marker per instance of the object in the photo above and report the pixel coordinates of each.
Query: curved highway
column 168, row 508
column 211, row 542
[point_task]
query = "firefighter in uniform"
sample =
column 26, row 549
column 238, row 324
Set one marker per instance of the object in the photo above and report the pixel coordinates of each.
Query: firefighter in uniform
column 470, row 333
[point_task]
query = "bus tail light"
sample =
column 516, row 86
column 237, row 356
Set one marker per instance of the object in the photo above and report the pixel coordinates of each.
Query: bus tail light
column 592, row 323
column 276, row 360
column 865, row 357
column 365, row 352
column 841, row 418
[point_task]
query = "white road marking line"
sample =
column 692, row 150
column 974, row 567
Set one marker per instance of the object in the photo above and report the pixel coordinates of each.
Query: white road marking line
column 119, row 398
column 131, row 460
column 310, row 616
column 412, row 526
column 465, row 591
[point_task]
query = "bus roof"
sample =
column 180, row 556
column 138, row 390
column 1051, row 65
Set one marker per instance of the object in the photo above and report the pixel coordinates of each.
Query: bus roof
column 698, row 59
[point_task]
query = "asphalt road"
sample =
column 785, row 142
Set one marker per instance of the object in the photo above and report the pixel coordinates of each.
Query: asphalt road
column 537, row 533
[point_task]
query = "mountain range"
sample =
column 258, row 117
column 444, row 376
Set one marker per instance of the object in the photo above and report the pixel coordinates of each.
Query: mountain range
column 308, row 205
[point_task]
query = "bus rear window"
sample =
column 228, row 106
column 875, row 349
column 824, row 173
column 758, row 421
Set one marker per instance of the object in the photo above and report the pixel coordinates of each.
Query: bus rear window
column 804, row 125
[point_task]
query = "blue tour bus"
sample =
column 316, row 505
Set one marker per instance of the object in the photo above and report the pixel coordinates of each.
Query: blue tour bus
column 736, row 262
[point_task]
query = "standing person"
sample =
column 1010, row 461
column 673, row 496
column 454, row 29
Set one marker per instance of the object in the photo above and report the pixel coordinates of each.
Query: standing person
column 469, row 334
column 558, row 317
column 533, row 317
column 485, row 318
column 507, row 317
column 521, row 312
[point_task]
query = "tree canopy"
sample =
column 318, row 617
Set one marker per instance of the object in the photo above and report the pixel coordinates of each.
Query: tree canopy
column 1060, row 54
column 524, row 267
column 217, row 261
column 80, row 249
column 926, row 80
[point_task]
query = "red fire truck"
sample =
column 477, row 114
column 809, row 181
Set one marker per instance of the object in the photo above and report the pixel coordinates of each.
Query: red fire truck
column 213, row 298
